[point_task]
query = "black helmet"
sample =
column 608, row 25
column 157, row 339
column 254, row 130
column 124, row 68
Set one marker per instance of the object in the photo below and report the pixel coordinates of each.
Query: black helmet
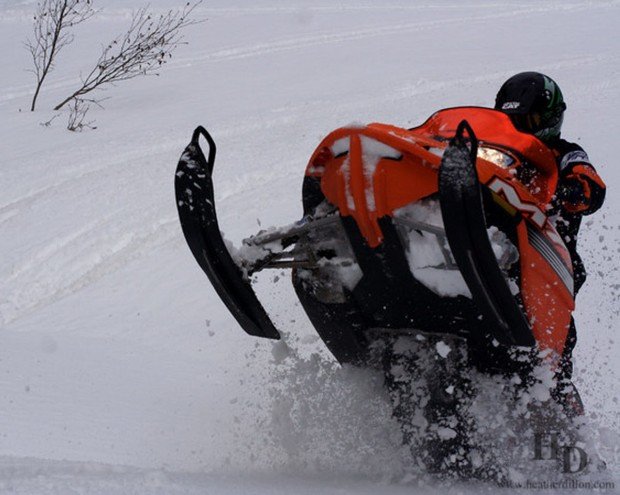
column 534, row 102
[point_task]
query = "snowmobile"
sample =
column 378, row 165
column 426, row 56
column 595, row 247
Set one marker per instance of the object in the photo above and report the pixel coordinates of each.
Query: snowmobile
column 440, row 232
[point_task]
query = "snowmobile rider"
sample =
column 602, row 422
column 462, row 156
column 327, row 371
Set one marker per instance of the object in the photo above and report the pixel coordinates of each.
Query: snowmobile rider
column 536, row 106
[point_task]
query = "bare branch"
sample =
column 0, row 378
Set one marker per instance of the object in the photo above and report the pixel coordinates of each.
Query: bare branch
column 48, row 123
column 77, row 116
column 51, row 21
column 141, row 50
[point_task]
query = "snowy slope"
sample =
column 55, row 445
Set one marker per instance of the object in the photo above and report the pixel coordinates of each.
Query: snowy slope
column 120, row 369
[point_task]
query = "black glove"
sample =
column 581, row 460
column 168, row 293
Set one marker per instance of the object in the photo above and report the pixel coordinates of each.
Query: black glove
column 571, row 190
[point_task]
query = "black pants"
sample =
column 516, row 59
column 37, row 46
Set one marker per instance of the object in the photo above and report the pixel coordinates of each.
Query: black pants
column 565, row 392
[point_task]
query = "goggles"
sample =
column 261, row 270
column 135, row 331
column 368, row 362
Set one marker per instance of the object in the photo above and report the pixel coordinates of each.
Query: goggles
column 534, row 122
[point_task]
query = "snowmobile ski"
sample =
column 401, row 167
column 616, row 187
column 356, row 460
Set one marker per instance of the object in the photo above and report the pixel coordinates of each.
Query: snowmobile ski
column 196, row 206
column 463, row 214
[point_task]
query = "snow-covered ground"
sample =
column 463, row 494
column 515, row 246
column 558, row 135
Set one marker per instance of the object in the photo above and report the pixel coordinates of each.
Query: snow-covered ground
column 120, row 369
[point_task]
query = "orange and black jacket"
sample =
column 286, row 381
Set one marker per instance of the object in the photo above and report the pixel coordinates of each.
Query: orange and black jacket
column 580, row 192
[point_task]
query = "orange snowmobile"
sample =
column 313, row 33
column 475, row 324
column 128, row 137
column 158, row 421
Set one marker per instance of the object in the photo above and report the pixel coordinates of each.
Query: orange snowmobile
column 413, row 242
column 442, row 228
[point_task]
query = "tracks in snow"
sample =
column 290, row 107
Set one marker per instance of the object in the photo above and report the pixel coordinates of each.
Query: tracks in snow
column 319, row 39
column 70, row 262
column 302, row 42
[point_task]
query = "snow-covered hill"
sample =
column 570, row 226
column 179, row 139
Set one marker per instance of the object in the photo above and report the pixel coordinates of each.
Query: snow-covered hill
column 120, row 369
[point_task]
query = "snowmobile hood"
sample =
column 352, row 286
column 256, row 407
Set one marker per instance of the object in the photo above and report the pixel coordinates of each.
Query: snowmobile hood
column 370, row 171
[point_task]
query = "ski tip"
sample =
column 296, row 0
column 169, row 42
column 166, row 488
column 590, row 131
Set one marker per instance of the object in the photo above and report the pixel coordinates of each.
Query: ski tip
column 201, row 131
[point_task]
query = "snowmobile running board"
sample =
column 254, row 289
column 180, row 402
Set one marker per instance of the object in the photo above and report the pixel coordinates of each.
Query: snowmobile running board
column 196, row 206
column 460, row 196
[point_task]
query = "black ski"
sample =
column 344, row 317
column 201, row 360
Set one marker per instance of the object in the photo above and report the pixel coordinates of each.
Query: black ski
column 462, row 210
column 196, row 206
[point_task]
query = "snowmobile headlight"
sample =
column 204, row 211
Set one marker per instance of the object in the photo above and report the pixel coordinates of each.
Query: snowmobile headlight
column 495, row 156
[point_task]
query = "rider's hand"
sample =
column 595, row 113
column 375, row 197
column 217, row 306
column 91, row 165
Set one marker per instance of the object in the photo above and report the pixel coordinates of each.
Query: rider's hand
column 581, row 190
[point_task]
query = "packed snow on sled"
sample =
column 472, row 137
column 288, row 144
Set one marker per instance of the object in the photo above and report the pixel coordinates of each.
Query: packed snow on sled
column 435, row 237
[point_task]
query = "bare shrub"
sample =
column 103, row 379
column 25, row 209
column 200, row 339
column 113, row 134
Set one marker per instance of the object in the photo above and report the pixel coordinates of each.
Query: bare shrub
column 77, row 116
column 52, row 22
column 141, row 50
column 48, row 123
